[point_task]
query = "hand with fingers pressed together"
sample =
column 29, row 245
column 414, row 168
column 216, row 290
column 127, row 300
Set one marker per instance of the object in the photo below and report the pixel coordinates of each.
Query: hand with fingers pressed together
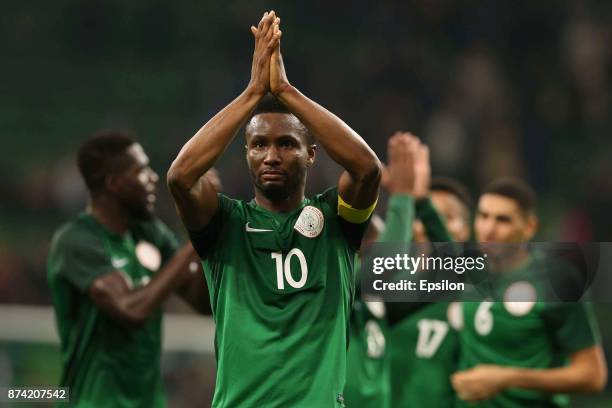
column 267, row 39
column 408, row 170
column 422, row 172
column 398, row 175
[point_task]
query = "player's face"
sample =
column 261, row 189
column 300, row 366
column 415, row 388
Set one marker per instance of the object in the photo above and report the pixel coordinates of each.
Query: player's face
column 277, row 154
column 135, row 186
column 499, row 219
column 454, row 214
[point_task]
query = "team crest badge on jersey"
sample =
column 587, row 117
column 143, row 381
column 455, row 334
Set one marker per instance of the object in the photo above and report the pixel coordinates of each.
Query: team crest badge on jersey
column 520, row 298
column 310, row 222
column 148, row 255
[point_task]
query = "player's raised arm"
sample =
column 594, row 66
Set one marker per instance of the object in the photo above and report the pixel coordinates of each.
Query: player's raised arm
column 194, row 195
column 358, row 185
column 399, row 179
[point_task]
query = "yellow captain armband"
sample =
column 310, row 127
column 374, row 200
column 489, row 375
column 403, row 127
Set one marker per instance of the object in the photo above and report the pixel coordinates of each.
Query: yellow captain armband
column 353, row 215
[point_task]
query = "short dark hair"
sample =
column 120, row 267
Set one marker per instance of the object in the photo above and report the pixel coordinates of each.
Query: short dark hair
column 270, row 104
column 514, row 189
column 98, row 156
column 455, row 188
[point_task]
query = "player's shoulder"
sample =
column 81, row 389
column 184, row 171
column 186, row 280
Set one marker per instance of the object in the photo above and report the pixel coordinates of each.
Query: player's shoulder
column 564, row 310
column 565, row 276
column 326, row 199
column 230, row 206
column 327, row 194
column 72, row 234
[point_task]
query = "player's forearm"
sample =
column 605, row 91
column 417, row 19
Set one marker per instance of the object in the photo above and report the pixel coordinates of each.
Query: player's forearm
column 138, row 305
column 202, row 151
column 570, row 379
column 195, row 292
column 400, row 215
column 341, row 142
column 398, row 229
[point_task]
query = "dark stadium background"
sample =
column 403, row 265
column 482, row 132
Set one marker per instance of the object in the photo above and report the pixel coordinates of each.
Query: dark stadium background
column 495, row 87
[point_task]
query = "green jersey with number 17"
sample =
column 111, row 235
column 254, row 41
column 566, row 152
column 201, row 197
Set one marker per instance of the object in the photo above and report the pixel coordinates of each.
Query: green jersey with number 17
column 424, row 354
column 281, row 288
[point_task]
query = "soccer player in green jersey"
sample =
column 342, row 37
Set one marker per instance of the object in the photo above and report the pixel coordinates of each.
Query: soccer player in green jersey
column 109, row 270
column 408, row 337
column 528, row 353
column 368, row 381
column 424, row 346
column 279, row 267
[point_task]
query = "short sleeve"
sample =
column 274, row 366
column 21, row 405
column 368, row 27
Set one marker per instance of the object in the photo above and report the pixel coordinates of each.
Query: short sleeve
column 573, row 326
column 206, row 240
column 352, row 232
column 80, row 260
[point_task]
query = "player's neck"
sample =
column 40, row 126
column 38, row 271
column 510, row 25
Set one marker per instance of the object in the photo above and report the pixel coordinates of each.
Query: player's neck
column 515, row 261
column 109, row 214
column 282, row 206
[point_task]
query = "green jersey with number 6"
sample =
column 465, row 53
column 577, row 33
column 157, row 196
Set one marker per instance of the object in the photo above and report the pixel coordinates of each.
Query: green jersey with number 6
column 281, row 288
column 529, row 334
column 103, row 363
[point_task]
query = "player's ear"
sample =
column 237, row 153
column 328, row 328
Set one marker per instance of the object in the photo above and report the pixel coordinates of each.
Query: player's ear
column 312, row 149
column 111, row 182
column 532, row 227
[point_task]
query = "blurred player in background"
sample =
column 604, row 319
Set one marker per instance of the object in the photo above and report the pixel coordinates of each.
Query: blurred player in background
column 415, row 339
column 109, row 271
column 527, row 353
column 424, row 346
column 280, row 267
column 368, row 381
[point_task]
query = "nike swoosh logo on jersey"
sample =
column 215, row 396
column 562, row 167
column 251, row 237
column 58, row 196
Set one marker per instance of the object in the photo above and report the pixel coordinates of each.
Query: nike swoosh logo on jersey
column 119, row 262
column 249, row 229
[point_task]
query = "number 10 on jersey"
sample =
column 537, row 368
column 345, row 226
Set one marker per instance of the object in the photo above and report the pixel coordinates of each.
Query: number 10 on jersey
column 283, row 269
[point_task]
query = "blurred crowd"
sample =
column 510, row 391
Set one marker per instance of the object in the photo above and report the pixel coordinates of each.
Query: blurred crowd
column 504, row 88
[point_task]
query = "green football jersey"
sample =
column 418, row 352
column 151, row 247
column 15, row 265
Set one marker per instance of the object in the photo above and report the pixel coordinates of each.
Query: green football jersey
column 529, row 334
column 424, row 350
column 368, row 382
column 424, row 346
column 281, row 288
column 104, row 363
